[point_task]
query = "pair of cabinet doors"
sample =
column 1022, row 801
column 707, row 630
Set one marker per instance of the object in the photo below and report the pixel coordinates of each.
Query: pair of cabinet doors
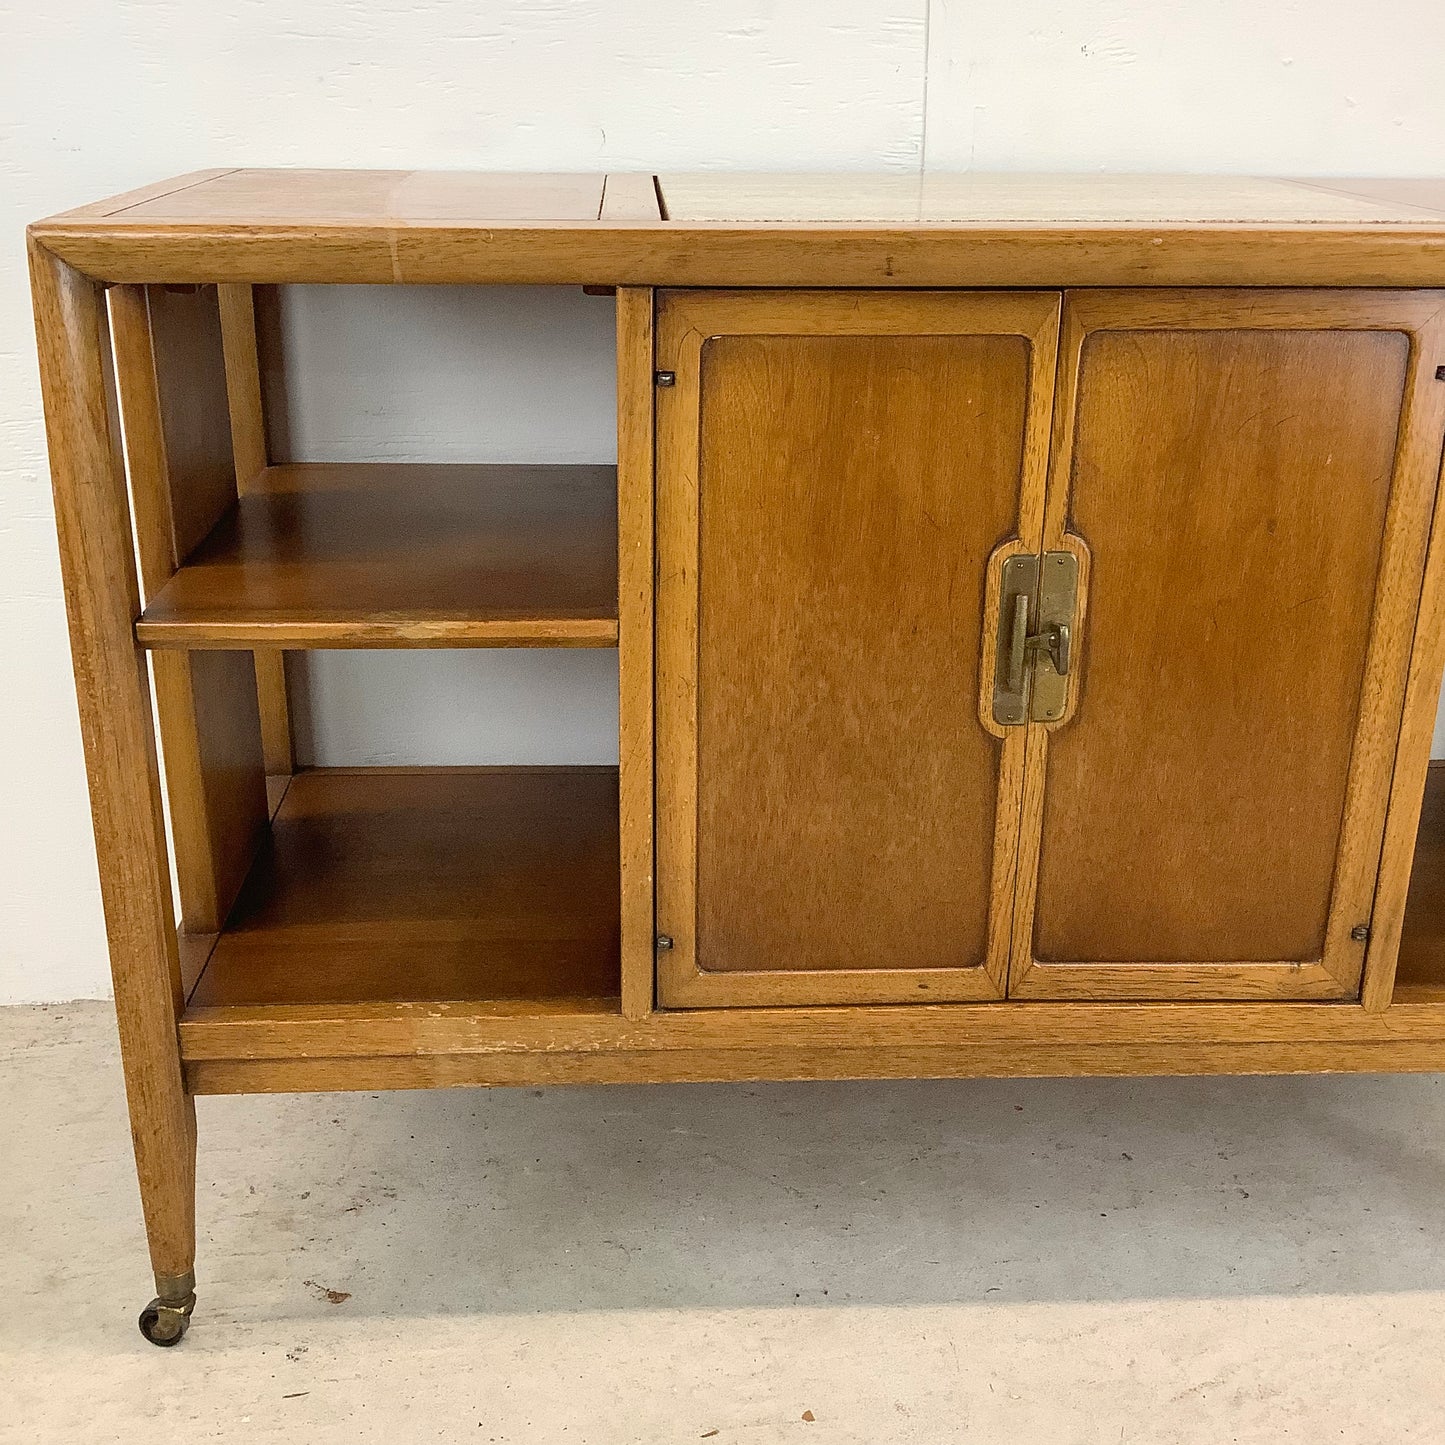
column 1237, row 489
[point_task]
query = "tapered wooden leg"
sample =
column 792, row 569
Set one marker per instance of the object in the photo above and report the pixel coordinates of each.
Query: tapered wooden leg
column 102, row 601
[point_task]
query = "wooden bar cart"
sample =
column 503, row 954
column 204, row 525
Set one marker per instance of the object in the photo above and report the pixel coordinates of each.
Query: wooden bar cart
column 1030, row 603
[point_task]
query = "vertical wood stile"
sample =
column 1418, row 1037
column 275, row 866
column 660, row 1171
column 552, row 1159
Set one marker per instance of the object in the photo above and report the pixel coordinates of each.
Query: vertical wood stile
column 635, row 649
column 1412, row 764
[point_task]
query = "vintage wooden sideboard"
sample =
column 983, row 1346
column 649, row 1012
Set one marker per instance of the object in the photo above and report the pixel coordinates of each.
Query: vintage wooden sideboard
column 1030, row 603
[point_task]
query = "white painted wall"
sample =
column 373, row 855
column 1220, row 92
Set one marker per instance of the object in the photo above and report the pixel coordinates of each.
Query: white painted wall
column 451, row 374
column 100, row 95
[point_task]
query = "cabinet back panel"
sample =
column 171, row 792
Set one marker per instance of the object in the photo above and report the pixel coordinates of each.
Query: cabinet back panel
column 851, row 489
column 1232, row 486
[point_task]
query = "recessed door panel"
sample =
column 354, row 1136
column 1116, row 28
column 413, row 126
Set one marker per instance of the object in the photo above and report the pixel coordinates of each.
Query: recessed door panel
column 1250, row 477
column 837, row 821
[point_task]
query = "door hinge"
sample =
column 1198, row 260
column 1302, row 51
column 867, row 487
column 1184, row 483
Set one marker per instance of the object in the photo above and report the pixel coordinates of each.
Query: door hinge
column 664, row 942
column 1360, row 933
column 665, row 378
column 1038, row 597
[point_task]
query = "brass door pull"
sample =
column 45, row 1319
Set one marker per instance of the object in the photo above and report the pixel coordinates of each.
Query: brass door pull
column 1032, row 670
column 1018, row 645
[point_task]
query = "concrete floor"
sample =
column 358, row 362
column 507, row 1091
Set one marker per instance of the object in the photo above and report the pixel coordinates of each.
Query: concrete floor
column 1029, row 1263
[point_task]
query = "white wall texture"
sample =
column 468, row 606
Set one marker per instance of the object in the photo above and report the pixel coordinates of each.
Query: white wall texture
column 97, row 96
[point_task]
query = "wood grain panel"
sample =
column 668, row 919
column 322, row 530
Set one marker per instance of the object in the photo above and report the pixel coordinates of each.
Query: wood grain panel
column 190, row 375
column 178, row 446
column 428, row 883
column 1248, row 476
column 839, row 471
column 211, row 740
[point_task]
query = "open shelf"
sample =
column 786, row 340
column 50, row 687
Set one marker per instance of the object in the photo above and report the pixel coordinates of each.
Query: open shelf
column 402, row 555
column 387, row 885
column 1420, row 974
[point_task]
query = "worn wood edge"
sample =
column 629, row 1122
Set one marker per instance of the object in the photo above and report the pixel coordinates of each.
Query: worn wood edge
column 291, row 1030
column 724, row 254
column 801, row 1064
column 371, row 632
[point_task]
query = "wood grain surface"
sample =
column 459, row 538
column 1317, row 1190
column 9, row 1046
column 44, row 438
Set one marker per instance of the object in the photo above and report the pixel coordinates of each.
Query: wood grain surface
column 1253, row 476
column 834, row 475
column 358, row 554
column 428, row 883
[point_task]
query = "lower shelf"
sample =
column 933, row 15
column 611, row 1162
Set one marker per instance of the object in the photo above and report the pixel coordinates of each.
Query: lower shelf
column 389, row 885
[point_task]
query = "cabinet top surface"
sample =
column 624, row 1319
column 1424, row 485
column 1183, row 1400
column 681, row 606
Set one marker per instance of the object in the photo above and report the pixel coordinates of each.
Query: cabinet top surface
column 733, row 229
column 1004, row 199
column 478, row 198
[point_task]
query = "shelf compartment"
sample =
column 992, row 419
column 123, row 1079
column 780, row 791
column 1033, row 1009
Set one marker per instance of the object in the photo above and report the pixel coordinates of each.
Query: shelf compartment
column 402, row 555
column 1420, row 973
column 398, row 885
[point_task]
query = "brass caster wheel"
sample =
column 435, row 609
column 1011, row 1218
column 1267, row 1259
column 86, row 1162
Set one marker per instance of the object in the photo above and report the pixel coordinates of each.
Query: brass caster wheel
column 164, row 1322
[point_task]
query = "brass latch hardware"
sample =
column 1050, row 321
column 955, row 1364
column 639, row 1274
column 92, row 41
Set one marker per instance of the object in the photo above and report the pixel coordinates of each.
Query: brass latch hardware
column 1037, row 598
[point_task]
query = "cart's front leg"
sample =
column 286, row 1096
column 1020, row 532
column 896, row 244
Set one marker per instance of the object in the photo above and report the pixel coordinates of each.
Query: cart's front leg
column 102, row 602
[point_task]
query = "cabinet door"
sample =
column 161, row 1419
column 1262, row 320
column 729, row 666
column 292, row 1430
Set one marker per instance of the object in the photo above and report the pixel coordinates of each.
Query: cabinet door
column 1248, row 479
column 837, row 822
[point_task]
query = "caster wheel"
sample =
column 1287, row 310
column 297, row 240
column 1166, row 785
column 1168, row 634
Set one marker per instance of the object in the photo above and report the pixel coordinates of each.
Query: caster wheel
column 165, row 1324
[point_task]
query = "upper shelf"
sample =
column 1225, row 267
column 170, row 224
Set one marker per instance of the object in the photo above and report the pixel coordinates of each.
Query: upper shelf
column 728, row 229
column 399, row 555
